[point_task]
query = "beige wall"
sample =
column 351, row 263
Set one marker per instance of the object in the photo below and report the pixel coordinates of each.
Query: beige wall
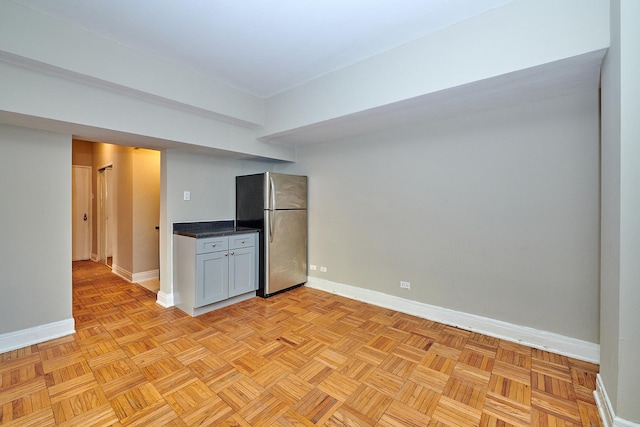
column 136, row 195
column 494, row 214
column 35, row 228
column 146, row 209
column 82, row 153
column 123, row 210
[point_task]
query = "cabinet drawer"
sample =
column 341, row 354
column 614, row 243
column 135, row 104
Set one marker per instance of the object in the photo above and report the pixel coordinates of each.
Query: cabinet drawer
column 242, row 241
column 211, row 244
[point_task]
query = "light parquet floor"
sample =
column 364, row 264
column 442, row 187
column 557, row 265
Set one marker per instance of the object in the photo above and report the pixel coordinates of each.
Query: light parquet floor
column 301, row 358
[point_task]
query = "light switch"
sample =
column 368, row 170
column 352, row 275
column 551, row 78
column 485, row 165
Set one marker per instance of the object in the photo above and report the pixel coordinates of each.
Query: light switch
column 187, row 195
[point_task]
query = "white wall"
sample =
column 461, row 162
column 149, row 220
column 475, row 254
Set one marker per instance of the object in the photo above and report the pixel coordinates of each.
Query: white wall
column 620, row 375
column 610, row 225
column 494, row 214
column 35, row 229
column 629, row 339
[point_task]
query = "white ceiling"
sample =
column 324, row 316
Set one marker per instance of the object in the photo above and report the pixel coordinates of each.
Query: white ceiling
column 263, row 46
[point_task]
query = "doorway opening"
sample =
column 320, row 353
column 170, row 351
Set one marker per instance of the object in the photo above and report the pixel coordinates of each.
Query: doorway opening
column 105, row 216
column 125, row 201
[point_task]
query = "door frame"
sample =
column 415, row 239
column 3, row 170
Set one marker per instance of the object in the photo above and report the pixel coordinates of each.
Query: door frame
column 104, row 195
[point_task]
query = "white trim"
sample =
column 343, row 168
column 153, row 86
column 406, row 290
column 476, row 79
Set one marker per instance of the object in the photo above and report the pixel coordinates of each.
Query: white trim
column 605, row 408
column 531, row 337
column 165, row 300
column 145, row 275
column 94, row 257
column 125, row 274
column 135, row 277
column 18, row 339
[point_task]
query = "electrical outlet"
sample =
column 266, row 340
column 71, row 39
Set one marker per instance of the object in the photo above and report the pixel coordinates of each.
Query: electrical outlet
column 323, row 269
column 312, row 267
column 405, row 285
column 187, row 195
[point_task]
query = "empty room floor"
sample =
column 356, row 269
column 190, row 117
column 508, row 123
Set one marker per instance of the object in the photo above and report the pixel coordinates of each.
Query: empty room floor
column 304, row 358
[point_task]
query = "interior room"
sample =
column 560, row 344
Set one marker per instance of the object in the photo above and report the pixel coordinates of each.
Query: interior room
column 478, row 176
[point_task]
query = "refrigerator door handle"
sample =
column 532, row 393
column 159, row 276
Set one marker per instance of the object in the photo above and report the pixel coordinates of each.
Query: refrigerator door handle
column 273, row 208
column 273, row 193
column 272, row 214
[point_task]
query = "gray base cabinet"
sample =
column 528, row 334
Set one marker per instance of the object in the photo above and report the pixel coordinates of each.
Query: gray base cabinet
column 212, row 270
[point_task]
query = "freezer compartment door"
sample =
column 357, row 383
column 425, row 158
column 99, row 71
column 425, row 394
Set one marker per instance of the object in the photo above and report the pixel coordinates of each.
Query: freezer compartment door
column 285, row 191
column 250, row 200
column 285, row 249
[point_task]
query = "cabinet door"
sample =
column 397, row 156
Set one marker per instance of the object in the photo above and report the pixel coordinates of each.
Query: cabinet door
column 242, row 271
column 212, row 278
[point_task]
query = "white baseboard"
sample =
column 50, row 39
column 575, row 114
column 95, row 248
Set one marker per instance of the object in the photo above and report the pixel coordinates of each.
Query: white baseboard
column 135, row 277
column 531, row 337
column 94, row 257
column 125, row 274
column 605, row 408
column 145, row 275
column 164, row 299
column 18, row 339
column 603, row 403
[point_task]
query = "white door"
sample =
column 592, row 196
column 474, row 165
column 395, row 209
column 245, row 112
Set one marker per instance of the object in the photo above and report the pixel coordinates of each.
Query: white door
column 81, row 212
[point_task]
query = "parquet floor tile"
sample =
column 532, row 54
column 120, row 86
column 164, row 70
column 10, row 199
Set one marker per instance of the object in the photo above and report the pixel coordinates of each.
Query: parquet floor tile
column 420, row 398
column 302, row 358
column 368, row 401
column 339, row 386
column 453, row 413
column 399, row 414
column 430, row 378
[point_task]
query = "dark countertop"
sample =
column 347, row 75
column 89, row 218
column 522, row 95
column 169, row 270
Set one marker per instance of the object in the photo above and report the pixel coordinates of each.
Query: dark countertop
column 210, row 229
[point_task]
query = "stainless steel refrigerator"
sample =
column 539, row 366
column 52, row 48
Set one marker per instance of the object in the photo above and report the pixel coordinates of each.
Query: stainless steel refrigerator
column 276, row 204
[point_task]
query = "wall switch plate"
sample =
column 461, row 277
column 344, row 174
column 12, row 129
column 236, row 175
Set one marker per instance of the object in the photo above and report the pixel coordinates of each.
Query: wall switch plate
column 187, row 195
column 312, row 267
column 405, row 285
column 323, row 269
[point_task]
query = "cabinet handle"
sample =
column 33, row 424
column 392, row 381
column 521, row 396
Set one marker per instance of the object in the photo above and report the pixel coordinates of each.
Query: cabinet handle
column 242, row 242
column 226, row 254
column 213, row 244
column 233, row 253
